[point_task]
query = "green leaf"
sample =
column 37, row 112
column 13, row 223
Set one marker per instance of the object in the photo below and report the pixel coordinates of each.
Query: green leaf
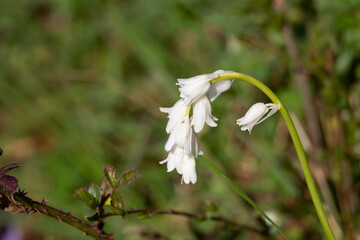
column 90, row 215
column 128, row 176
column 117, row 203
column 95, row 191
column 110, row 175
column 86, row 197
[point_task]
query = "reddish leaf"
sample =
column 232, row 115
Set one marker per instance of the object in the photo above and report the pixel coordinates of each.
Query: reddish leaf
column 9, row 183
column 128, row 176
column 7, row 168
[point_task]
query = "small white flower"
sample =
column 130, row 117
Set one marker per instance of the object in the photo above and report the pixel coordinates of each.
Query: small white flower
column 176, row 114
column 174, row 159
column 191, row 146
column 256, row 114
column 188, row 170
column 202, row 114
column 179, row 135
column 220, row 86
column 191, row 89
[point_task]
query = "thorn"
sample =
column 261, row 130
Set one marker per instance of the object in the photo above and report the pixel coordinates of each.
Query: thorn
column 36, row 210
column 59, row 218
column 74, row 219
column 26, row 210
column 22, row 192
column 12, row 197
column 44, row 210
column 43, row 202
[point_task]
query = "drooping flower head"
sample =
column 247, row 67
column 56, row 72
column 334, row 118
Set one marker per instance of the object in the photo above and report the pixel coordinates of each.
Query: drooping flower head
column 182, row 143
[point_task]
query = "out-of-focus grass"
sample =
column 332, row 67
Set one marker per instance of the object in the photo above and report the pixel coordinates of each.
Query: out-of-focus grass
column 81, row 82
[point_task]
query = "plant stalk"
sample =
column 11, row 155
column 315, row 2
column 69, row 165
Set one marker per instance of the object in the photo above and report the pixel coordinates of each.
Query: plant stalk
column 297, row 143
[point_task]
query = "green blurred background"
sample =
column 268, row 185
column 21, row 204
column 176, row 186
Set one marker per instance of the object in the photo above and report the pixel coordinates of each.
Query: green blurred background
column 81, row 83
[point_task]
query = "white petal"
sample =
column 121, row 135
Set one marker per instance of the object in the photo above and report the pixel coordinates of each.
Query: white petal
column 274, row 108
column 170, row 142
column 176, row 114
column 202, row 114
column 164, row 161
column 165, row 110
column 194, row 147
column 174, row 158
column 192, row 89
column 219, row 87
column 189, row 170
column 171, row 165
column 199, row 114
column 221, row 71
column 199, row 78
column 209, row 117
column 255, row 112
column 193, row 93
column 182, row 131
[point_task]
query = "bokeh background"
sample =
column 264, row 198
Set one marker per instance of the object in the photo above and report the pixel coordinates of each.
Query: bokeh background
column 81, row 83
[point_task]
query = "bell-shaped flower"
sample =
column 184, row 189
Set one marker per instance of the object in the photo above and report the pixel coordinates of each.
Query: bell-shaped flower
column 191, row 146
column 256, row 114
column 188, row 169
column 191, row 89
column 176, row 114
column 179, row 135
column 202, row 114
column 219, row 87
column 174, row 159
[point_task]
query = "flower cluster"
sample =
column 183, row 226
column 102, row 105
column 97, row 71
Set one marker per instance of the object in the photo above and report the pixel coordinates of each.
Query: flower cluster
column 182, row 143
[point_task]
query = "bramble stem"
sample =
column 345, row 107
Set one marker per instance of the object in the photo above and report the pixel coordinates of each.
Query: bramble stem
column 297, row 143
column 30, row 205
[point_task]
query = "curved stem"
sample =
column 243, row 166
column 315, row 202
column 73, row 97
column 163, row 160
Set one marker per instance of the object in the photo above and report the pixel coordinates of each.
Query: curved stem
column 298, row 146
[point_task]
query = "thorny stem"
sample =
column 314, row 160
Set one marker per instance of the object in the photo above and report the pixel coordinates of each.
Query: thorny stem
column 28, row 205
column 297, row 143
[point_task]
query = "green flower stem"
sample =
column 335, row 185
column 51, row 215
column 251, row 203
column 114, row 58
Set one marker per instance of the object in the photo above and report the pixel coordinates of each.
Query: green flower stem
column 298, row 146
column 241, row 193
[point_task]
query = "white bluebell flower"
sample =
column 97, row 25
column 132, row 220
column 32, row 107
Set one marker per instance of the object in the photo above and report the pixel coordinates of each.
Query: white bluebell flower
column 176, row 114
column 191, row 89
column 256, row 114
column 219, row 87
column 202, row 114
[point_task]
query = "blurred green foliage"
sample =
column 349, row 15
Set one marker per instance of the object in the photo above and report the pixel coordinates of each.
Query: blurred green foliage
column 81, row 82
